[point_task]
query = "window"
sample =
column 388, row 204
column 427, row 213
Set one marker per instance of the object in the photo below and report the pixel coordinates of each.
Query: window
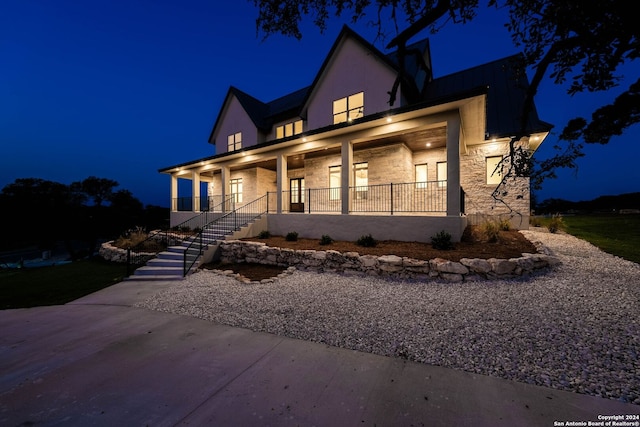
column 349, row 108
column 289, row 129
column 361, row 171
column 234, row 141
column 421, row 176
column 441, row 171
column 235, row 186
column 494, row 170
column 335, row 182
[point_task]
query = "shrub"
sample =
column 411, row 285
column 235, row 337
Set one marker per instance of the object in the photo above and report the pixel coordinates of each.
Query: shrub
column 264, row 234
column 504, row 224
column 326, row 240
column 556, row 223
column 291, row 236
column 490, row 231
column 442, row 241
column 366, row 241
column 534, row 221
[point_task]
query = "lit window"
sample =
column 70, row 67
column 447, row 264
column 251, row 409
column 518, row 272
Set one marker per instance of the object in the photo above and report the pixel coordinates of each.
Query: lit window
column 234, row 141
column 349, row 108
column 441, row 171
column 361, row 171
column 235, row 186
column 289, row 129
column 334, row 182
column 494, row 169
column 421, row 176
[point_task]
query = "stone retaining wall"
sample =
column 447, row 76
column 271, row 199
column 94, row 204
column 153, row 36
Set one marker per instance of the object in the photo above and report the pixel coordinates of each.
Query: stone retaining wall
column 237, row 251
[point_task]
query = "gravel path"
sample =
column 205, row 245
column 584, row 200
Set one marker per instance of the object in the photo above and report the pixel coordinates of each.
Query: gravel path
column 574, row 328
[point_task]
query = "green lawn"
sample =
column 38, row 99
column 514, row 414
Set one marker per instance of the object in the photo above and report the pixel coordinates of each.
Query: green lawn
column 31, row 287
column 616, row 234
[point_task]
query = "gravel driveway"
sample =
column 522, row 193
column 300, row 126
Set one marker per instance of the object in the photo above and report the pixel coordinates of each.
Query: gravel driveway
column 576, row 327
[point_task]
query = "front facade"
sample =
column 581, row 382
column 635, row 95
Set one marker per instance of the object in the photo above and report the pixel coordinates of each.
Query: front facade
column 336, row 158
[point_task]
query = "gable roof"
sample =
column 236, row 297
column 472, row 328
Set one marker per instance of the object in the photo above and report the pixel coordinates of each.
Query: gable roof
column 505, row 80
column 506, row 84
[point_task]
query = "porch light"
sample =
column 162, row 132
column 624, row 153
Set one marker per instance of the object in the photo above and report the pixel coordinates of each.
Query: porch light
column 428, row 144
column 389, row 119
column 304, row 139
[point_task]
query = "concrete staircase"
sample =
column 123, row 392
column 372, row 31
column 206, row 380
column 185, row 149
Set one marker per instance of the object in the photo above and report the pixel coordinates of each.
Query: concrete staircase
column 169, row 264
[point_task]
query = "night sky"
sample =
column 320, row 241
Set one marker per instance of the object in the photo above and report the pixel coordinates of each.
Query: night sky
column 120, row 89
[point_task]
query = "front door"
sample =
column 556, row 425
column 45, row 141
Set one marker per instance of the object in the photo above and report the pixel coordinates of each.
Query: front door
column 297, row 195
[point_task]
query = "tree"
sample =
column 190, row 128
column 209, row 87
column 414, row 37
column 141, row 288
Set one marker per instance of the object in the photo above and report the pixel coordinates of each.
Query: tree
column 98, row 189
column 581, row 41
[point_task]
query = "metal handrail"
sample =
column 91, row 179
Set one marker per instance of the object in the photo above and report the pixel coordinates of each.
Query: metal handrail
column 241, row 216
column 136, row 255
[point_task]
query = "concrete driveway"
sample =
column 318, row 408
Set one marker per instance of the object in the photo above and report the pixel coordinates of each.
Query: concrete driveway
column 99, row 361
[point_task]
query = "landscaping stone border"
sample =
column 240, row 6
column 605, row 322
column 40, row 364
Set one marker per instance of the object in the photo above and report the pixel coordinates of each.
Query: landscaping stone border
column 239, row 251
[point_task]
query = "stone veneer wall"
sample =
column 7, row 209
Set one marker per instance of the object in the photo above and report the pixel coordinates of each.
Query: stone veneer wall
column 479, row 203
column 236, row 251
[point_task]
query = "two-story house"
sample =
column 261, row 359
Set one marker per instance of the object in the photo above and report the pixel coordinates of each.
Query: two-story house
column 337, row 158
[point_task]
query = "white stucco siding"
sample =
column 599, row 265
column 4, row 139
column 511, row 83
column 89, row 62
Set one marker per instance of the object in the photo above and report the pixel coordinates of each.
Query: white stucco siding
column 235, row 119
column 352, row 69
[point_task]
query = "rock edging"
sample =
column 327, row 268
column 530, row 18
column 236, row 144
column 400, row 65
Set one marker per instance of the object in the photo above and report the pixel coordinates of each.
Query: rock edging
column 239, row 251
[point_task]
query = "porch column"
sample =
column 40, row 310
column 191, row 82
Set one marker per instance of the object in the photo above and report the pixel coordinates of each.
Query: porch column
column 453, row 165
column 346, row 176
column 224, row 184
column 195, row 182
column 174, row 193
column 281, row 181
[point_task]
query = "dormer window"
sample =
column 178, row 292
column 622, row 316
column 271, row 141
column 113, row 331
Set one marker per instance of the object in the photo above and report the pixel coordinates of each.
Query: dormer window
column 289, row 129
column 349, row 108
column 234, row 142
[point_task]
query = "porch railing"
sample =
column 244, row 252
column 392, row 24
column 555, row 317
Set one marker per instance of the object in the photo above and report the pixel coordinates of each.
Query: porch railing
column 238, row 218
column 411, row 197
column 212, row 203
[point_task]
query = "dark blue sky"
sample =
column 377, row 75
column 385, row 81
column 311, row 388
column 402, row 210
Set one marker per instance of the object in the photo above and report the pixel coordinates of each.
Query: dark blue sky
column 118, row 89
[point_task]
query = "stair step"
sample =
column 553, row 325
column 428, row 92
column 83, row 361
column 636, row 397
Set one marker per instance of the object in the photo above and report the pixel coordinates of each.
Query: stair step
column 162, row 271
column 171, row 255
column 164, row 262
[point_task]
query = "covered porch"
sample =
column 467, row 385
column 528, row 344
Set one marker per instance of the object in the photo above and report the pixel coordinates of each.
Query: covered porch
column 392, row 176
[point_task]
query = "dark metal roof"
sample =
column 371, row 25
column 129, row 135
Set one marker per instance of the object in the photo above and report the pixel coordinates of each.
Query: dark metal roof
column 507, row 84
column 505, row 78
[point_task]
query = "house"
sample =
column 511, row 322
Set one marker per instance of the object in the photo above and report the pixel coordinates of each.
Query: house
column 338, row 158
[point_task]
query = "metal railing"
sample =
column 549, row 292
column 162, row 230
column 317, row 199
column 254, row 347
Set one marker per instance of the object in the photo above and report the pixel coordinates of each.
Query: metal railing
column 213, row 203
column 237, row 218
column 160, row 240
column 411, row 197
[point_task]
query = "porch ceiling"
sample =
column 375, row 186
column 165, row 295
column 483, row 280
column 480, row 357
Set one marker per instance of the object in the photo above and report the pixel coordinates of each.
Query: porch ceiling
column 416, row 140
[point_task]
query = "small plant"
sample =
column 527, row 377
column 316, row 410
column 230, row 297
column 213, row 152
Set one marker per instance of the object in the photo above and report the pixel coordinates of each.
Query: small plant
column 292, row 236
column 556, row 223
column 197, row 230
column 442, row 241
column 504, row 224
column 185, row 228
column 326, row 240
column 490, row 230
column 534, row 221
column 264, row 234
column 366, row 241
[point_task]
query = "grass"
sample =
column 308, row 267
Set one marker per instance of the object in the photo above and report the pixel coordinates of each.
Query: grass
column 616, row 234
column 32, row 287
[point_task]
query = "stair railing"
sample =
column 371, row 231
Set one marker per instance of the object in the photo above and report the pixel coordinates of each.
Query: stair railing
column 159, row 240
column 240, row 217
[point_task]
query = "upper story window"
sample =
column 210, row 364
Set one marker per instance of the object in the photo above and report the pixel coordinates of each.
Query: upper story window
column 234, row 141
column 349, row 108
column 289, row 129
column 494, row 169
